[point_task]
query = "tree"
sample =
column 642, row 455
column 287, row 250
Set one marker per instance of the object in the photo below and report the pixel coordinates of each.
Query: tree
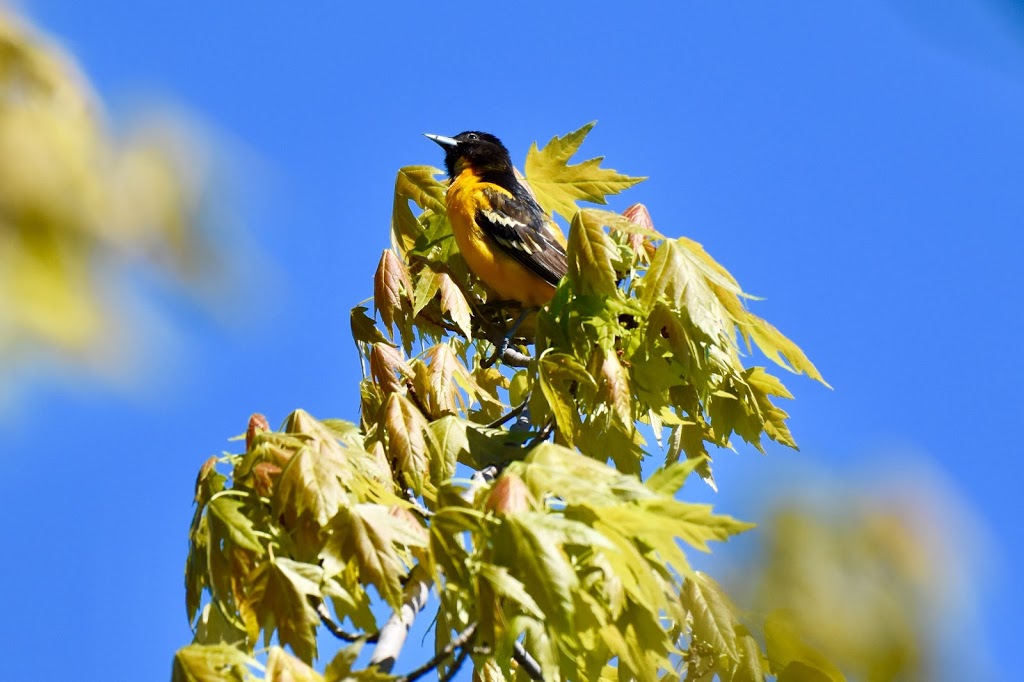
column 544, row 561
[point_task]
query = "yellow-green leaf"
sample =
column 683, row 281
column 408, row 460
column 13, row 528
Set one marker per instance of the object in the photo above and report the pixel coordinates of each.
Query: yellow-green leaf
column 280, row 597
column 454, row 304
column 558, row 185
column 790, row 655
column 406, row 433
column 713, row 619
column 211, row 663
column 283, row 667
column 373, row 538
column 590, row 255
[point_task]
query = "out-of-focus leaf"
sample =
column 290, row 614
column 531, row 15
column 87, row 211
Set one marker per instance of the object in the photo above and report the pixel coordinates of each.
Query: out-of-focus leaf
column 534, row 557
column 283, row 667
column 211, row 663
column 791, row 657
column 508, row 587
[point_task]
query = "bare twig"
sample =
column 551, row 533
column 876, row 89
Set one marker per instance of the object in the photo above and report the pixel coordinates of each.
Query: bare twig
column 542, row 435
column 393, row 634
column 336, row 630
column 527, row 662
column 461, row 641
column 456, row 666
column 514, row 412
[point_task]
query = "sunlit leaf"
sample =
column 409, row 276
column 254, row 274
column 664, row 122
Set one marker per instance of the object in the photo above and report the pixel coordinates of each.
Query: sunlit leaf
column 211, row 663
column 557, row 185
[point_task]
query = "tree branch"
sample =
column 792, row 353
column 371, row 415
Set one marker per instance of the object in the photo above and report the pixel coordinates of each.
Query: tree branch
column 527, row 662
column 461, row 641
column 459, row 660
column 393, row 634
column 336, row 630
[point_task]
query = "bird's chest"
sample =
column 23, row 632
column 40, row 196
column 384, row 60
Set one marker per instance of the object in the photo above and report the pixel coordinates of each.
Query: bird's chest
column 465, row 197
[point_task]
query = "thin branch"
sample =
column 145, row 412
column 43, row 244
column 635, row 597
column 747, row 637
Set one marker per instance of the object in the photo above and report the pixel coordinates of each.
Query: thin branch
column 460, row 641
column 527, row 662
column 336, row 630
column 542, row 435
column 393, row 634
column 514, row 412
column 456, row 666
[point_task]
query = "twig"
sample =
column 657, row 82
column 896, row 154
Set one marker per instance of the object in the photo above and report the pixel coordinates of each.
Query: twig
column 393, row 634
column 527, row 662
column 459, row 660
column 514, row 412
column 460, row 641
column 542, row 435
column 336, row 630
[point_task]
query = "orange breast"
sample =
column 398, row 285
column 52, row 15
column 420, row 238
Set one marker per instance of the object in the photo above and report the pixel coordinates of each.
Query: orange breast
column 484, row 256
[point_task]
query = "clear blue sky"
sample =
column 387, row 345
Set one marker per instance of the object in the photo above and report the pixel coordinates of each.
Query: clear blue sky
column 860, row 165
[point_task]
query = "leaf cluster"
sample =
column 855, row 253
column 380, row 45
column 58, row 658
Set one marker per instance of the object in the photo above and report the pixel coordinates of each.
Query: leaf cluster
column 562, row 549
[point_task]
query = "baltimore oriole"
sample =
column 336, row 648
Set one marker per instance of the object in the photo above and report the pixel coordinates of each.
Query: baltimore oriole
column 504, row 235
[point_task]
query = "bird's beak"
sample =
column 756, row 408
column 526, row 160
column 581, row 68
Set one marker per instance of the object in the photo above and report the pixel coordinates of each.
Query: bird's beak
column 446, row 142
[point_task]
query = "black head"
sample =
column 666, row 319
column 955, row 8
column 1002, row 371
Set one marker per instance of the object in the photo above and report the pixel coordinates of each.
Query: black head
column 482, row 152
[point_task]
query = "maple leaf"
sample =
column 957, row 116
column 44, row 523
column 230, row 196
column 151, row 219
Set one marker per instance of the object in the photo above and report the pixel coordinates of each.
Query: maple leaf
column 558, row 185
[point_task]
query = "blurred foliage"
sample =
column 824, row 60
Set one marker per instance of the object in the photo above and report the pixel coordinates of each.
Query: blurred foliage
column 562, row 550
column 867, row 579
column 80, row 206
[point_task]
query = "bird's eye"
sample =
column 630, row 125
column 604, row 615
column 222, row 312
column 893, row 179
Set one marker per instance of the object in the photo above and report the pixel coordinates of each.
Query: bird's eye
column 472, row 136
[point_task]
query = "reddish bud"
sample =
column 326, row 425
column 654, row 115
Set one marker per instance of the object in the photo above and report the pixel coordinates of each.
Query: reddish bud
column 509, row 496
column 257, row 424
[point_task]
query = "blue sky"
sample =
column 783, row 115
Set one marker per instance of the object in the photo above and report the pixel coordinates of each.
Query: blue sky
column 859, row 165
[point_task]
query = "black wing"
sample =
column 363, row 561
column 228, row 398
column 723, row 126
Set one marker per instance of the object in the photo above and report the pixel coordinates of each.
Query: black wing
column 519, row 226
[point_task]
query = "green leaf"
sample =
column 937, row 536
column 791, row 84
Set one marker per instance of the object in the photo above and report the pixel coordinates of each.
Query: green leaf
column 533, row 555
column 561, row 378
column 213, row 627
column 509, row 588
column 316, row 481
column 283, row 667
column 773, row 344
column 750, row 668
column 279, row 596
column 713, row 620
column 406, row 438
column 590, row 255
column 450, row 438
column 228, row 522
column 364, row 328
column 558, row 185
column 681, row 279
column 374, row 539
column 211, row 663
column 669, row 479
column 420, row 184
column 791, row 657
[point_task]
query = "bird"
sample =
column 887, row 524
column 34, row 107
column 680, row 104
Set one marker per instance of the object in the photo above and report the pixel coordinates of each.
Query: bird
column 505, row 237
